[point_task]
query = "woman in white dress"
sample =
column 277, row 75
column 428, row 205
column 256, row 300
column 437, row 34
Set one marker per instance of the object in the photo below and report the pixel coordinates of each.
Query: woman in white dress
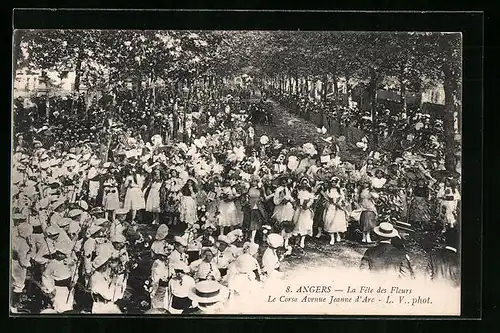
column 243, row 275
column 110, row 200
column 188, row 211
column 227, row 209
column 134, row 198
column 160, row 276
column 153, row 202
column 172, row 187
column 334, row 217
column 283, row 210
column 304, row 215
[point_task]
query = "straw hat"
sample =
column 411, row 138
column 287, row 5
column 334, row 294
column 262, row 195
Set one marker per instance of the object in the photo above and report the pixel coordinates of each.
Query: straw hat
column 83, row 205
column 101, row 259
column 180, row 266
column 180, row 240
column 53, row 230
column 58, row 203
column 121, row 211
column 159, row 250
column 63, row 222
column 118, row 238
column 64, row 247
column 100, row 221
column 161, row 232
column 96, row 210
column 208, row 248
column 233, row 235
column 208, row 292
column 93, row 229
column 386, row 230
column 75, row 212
column 274, row 240
column 224, row 239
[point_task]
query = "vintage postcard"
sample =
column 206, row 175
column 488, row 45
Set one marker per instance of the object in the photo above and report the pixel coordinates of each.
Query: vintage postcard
column 236, row 172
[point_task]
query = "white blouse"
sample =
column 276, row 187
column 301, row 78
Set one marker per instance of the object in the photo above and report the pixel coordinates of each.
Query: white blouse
column 181, row 288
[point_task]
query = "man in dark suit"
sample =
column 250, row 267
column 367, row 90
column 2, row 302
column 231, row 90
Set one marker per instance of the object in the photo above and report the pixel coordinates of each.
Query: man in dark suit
column 385, row 257
column 444, row 263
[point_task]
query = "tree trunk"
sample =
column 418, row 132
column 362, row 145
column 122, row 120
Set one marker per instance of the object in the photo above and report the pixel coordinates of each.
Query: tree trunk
column 448, row 118
column 78, row 74
column 403, row 96
column 348, row 91
column 325, row 87
column 373, row 105
column 335, row 87
column 47, row 108
column 78, row 70
column 297, row 84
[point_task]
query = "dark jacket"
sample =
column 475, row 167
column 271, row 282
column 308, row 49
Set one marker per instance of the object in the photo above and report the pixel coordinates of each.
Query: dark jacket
column 444, row 265
column 385, row 257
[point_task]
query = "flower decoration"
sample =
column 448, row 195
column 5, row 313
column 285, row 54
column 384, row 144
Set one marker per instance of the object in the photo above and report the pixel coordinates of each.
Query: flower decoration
column 309, row 149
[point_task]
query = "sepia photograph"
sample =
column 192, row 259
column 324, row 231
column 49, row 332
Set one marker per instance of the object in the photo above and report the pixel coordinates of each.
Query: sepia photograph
column 202, row 172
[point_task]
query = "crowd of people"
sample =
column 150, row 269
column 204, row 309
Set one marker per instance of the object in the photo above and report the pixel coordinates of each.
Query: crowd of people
column 226, row 207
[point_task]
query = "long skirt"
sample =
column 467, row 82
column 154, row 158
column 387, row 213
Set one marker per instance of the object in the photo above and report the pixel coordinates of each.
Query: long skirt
column 153, row 203
column 187, row 210
column 62, row 302
column 180, row 303
column 319, row 208
column 256, row 219
column 227, row 214
column 93, row 189
column 368, row 221
column 419, row 211
column 240, row 215
column 304, row 225
column 111, row 201
column 160, row 298
column 448, row 212
column 283, row 213
column 134, row 199
column 335, row 219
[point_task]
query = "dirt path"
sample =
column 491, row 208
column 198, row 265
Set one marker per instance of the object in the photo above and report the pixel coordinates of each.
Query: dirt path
column 287, row 126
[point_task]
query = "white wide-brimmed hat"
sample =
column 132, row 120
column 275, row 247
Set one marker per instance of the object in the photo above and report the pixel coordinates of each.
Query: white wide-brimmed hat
column 224, row 239
column 180, row 240
column 208, row 292
column 118, row 238
column 161, row 232
column 180, row 266
column 275, row 240
column 100, row 260
column 53, row 230
column 386, row 230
